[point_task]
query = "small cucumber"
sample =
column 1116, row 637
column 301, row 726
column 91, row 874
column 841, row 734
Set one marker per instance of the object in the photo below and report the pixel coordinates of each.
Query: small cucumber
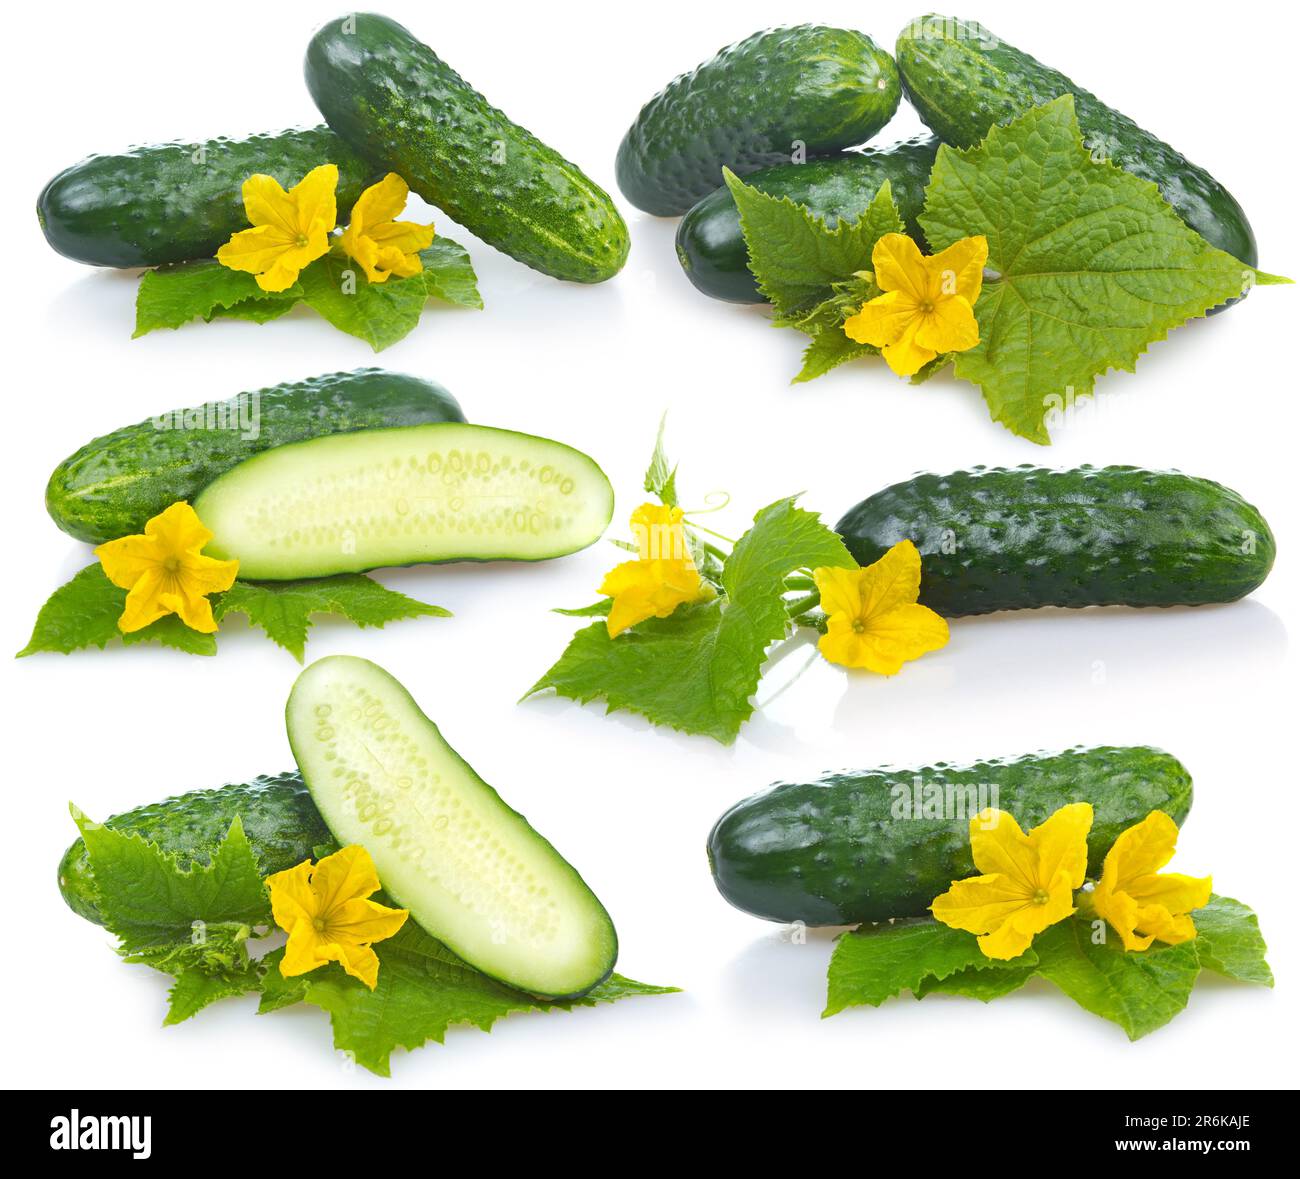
column 450, row 492
column 1021, row 538
column 114, row 485
column 170, row 202
column 394, row 100
column 964, row 80
column 870, row 845
column 711, row 247
column 754, row 104
column 279, row 819
column 472, row 872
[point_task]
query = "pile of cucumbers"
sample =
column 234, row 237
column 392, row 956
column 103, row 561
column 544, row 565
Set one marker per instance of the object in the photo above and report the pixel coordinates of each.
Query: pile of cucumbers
column 789, row 110
column 390, row 105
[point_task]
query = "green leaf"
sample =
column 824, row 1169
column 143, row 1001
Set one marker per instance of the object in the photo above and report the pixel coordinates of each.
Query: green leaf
column 1228, row 941
column 283, row 609
column 381, row 313
column 422, row 990
column 697, row 669
column 84, row 612
column 449, row 274
column 173, row 295
column 1141, row 991
column 660, row 478
column 194, row 990
column 595, row 610
column 149, row 901
column 877, row 962
column 828, row 349
column 984, row 983
column 794, row 256
column 1093, row 264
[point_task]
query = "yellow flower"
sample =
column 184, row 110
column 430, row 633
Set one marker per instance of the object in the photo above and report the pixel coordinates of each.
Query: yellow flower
column 290, row 229
column 165, row 571
column 326, row 914
column 929, row 303
column 1141, row 904
column 873, row 619
column 1028, row 882
column 384, row 246
column 661, row 579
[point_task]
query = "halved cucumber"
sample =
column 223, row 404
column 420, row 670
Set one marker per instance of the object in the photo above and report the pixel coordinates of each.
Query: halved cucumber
column 404, row 496
column 472, row 871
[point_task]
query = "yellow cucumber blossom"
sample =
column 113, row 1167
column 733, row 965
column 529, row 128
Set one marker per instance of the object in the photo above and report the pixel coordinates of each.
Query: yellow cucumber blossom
column 324, row 910
column 165, row 571
column 662, row 578
column 290, row 229
column 1139, row 902
column 873, row 619
column 380, row 244
column 1028, row 881
column 929, row 303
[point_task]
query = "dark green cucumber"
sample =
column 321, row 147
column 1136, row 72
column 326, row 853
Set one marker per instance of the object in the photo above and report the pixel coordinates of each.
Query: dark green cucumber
column 277, row 813
column 113, row 485
column 805, row 89
column 410, row 495
column 711, row 247
column 1025, row 537
column 394, row 100
column 472, row 871
column 170, row 202
column 964, row 80
column 874, row 844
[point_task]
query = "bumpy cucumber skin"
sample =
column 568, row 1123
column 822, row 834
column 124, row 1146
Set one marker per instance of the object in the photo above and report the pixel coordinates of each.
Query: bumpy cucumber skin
column 835, row 851
column 747, row 107
column 963, row 80
column 711, row 247
column 1024, row 537
column 394, row 100
column 276, row 810
column 155, row 204
column 113, row 485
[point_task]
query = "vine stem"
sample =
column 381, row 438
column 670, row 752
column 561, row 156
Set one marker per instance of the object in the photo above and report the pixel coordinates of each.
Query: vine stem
column 802, row 605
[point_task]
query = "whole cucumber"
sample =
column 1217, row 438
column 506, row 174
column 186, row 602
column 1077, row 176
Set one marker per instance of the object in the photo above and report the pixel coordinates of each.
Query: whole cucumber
column 869, row 845
column 171, row 202
column 400, row 105
column 1024, row 537
column 711, row 247
column 114, row 485
column 752, row 105
column 963, row 80
column 277, row 813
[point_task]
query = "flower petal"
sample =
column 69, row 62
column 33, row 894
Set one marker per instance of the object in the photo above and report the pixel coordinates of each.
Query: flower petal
column 905, row 356
column 892, row 581
column 360, row 962
column 959, row 270
column 1141, row 850
column 882, row 320
column 950, row 327
column 179, row 529
column 840, row 590
column 145, row 603
column 292, row 899
column 349, row 874
column 1060, row 844
column 304, row 951
column 892, row 639
column 1177, row 893
column 998, row 845
column 380, row 202
column 126, row 560
column 269, row 206
column 899, row 266
column 363, row 921
column 980, row 904
column 315, row 202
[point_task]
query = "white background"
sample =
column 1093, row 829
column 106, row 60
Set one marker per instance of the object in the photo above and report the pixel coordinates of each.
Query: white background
column 595, row 367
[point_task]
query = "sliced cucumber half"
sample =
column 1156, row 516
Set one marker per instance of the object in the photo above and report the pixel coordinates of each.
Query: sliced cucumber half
column 450, row 491
column 470, row 869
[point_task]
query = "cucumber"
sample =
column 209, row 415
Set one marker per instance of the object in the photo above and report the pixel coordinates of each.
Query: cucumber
column 711, row 247
column 113, row 485
column 862, row 845
column 278, row 816
column 752, row 105
column 963, row 80
column 394, row 100
column 1025, row 537
column 170, row 202
column 472, row 872
column 451, row 492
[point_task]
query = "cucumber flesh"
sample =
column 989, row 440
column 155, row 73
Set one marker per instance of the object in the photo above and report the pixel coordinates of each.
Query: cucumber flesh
column 472, row 872
column 404, row 496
